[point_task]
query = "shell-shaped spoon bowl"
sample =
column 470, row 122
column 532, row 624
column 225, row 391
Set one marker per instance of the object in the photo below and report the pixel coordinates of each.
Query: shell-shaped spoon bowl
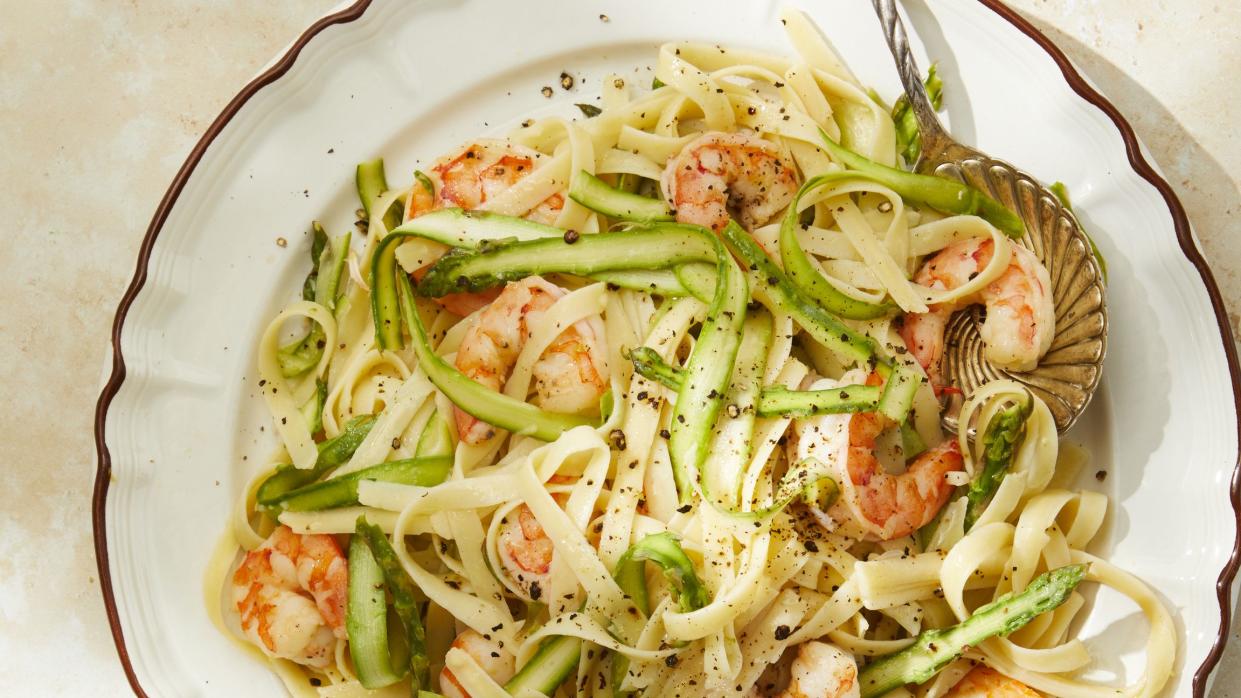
column 1068, row 375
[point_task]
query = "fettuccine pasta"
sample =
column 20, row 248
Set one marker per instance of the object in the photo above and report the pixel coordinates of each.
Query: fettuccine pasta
column 648, row 402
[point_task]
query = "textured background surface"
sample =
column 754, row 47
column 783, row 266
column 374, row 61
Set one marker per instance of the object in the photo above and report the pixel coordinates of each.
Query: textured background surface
column 100, row 102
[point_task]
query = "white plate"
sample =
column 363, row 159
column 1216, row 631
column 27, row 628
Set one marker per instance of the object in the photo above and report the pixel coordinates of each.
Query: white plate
column 179, row 417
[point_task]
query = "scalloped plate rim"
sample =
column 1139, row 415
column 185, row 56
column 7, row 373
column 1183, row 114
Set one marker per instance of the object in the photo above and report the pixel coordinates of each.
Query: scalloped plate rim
column 347, row 13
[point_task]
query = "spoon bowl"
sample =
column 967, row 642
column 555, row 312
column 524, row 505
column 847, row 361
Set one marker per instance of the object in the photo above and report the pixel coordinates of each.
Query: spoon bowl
column 1068, row 374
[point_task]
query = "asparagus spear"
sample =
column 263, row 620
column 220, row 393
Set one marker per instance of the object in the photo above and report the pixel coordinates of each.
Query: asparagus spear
column 936, row 192
column 404, row 598
column 774, row 400
column 659, row 246
column 437, row 437
column 933, row 649
column 312, row 410
column 318, row 243
column 1062, row 193
column 597, row 195
column 648, row 362
column 664, row 549
column 550, row 666
column 343, row 491
column 472, row 230
column 899, row 388
column 766, row 277
column 1000, row 442
column 372, row 183
column 709, row 369
column 808, row 276
column 322, row 286
column 908, row 138
column 332, row 453
column 366, row 620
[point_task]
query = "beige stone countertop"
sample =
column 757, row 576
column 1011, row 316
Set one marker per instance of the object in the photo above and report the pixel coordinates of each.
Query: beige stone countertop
column 101, row 101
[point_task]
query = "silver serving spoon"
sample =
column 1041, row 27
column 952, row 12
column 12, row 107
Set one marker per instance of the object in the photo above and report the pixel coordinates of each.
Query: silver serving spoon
column 1067, row 376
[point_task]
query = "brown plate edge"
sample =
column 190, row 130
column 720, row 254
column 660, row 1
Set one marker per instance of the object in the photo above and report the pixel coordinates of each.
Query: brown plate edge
column 1079, row 85
column 103, row 472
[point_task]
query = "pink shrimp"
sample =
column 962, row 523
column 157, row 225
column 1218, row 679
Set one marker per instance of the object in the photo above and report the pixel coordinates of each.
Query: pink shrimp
column 897, row 505
column 526, row 552
column 569, row 377
column 718, row 176
column 467, row 179
column 290, row 593
column 985, row 682
column 496, row 661
column 883, row 505
column 1021, row 313
column 813, row 669
column 821, row 670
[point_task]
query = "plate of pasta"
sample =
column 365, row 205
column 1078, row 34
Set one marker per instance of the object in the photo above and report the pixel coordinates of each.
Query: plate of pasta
column 547, row 350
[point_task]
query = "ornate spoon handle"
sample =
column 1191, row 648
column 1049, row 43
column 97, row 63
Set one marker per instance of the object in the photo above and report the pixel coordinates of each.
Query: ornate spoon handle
column 934, row 136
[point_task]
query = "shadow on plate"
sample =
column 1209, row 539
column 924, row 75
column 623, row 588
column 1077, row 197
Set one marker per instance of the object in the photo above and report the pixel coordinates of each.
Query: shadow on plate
column 1202, row 184
column 1204, row 187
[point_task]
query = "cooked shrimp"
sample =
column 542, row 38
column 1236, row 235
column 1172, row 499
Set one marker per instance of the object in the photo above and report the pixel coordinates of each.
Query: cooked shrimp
column 719, row 176
column 1021, row 313
column 897, row 505
column 821, row 670
column 985, row 682
column 477, row 173
column 469, row 178
column 569, row 377
column 818, row 670
column 524, row 548
column 290, row 593
column 526, row 552
column 883, row 505
column 497, row 662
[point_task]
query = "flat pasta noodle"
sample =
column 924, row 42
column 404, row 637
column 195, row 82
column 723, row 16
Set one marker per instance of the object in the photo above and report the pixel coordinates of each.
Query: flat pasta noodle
column 283, row 400
column 360, row 386
column 404, row 404
column 640, row 428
